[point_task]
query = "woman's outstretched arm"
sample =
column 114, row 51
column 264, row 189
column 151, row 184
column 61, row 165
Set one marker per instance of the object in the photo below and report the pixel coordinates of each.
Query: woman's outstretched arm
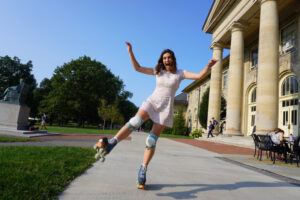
column 201, row 74
column 135, row 63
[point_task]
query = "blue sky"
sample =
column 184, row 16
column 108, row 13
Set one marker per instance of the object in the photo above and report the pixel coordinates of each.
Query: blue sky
column 52, row 32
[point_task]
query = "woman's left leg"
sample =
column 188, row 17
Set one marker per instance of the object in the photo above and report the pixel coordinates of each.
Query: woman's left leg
column 150, row 150
column 148, row 153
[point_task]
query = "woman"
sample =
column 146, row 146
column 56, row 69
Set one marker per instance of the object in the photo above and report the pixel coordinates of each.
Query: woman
column 277, row 136
column 158, row 107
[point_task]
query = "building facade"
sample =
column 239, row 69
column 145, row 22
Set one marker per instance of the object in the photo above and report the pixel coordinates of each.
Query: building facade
column 260, row 80
column 180, row 104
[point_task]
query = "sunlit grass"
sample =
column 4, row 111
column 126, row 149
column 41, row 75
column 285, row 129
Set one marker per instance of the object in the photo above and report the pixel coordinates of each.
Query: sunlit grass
column 76, row 130
column 15, row 139
column 40, row 172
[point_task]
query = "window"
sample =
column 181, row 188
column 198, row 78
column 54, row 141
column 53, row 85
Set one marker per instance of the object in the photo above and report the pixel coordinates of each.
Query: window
column 253, row 96
column 254, row 58
column 294, row 117
column 285, row 118
column 289, row 86
column 225, row 77
column 288, row 37
column 252, row 120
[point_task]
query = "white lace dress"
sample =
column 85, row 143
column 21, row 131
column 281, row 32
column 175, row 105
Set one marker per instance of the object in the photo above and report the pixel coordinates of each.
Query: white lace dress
column 159, row 105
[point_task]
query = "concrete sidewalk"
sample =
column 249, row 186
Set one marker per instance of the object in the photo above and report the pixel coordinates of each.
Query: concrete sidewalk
column 241, row 141
column 180, row 171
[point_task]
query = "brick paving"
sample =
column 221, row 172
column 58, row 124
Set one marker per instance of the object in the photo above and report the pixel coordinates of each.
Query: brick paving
column 217, row 147
column 65, row 137
column 210, row 146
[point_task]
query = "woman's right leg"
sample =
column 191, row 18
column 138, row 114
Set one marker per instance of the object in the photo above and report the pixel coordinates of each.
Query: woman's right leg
column 125, row 131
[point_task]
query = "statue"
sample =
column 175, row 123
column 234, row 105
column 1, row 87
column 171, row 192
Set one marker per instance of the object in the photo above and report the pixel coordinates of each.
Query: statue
column 16, row 94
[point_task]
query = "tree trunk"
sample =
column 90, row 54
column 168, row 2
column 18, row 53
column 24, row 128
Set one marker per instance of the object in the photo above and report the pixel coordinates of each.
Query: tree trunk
column 111, row 124
column 103, row 124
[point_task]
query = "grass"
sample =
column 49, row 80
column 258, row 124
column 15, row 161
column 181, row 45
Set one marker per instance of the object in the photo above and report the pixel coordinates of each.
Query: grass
column 268, row 161
column 40, row 172
column 76, row 130
column 15, row 139
column 175, row 136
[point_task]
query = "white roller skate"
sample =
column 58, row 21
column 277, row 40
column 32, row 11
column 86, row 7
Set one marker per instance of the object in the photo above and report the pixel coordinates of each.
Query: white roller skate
column 103, row 147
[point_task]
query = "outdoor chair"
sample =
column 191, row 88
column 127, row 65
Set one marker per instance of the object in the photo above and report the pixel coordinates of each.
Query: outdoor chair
column 279, row 149
column 296, row 150
column 255, row 140
column 264, row 144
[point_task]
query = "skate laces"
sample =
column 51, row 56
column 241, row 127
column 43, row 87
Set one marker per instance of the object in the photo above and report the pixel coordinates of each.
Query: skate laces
column 111, row 144
column 143, row 171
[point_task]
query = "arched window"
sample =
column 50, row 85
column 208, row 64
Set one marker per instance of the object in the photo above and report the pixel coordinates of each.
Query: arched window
column 253, row 96
column 289, row 86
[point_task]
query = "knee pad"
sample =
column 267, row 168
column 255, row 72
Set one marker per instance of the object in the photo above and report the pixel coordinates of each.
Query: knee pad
column 151, row 141
column 135, row 123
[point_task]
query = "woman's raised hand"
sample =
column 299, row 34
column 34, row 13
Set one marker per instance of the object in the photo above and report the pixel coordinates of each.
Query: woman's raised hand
column 211, row 63
column 129, row 47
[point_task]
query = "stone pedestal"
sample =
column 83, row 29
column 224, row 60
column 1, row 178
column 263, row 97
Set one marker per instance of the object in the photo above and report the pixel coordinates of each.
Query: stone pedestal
column 14, row 116
column 14, row 121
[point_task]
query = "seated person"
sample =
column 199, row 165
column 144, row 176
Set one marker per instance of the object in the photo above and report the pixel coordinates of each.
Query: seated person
column 277, row 136
column 281, row 145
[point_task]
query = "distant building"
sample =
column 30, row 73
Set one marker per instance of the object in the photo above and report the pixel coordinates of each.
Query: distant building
column 180, row 102
column 260, row 77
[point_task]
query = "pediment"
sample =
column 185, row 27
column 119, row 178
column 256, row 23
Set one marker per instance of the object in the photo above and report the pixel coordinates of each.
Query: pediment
column 218, row 9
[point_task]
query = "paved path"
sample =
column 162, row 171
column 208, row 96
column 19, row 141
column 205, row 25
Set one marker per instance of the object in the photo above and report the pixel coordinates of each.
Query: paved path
column 177, row 171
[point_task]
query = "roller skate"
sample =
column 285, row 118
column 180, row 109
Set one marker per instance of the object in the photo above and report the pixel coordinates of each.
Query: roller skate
column 103, row 147
column 142, row 177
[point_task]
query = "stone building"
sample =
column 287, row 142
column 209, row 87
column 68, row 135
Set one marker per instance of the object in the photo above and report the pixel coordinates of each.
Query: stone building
column 180, row 103
column 260, row 77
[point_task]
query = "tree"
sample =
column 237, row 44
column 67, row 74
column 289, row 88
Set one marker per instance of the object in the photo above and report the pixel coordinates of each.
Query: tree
column 179, row 124
column 39, row 94
column 126, row 108
column 203, row 109
column 77, row 87
column 114, row 115
column 223, row 108
column 12, row 70
column 103, row 111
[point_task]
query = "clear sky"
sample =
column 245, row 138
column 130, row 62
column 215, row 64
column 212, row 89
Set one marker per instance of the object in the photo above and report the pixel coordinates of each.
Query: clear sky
column 52, row 32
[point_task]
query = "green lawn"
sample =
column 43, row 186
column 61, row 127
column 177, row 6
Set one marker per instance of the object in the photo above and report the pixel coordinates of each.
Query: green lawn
column 15, row 139
column 40, row 172
column 175, row 136
column 76, row 130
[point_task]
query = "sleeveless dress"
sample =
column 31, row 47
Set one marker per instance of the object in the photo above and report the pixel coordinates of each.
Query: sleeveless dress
column 159, row 105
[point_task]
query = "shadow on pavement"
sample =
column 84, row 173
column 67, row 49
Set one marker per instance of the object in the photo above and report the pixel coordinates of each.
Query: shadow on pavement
column 191, row 194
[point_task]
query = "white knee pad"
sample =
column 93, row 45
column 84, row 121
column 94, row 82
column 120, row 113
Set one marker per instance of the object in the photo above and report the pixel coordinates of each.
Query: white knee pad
column 151, row 141
column 135, row 123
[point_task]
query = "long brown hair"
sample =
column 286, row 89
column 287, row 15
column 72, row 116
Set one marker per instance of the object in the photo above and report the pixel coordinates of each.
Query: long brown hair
column 160, row 65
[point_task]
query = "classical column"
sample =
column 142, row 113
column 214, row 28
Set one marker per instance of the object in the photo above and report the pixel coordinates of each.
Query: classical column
column 235, row 80
column 268, row 68
column 298, row 68
column 214, row 104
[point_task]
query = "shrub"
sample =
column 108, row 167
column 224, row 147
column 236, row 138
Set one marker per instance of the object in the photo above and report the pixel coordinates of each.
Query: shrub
column 179, row 124
column 167, row 131
column 196, row 133
column 203, row 109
